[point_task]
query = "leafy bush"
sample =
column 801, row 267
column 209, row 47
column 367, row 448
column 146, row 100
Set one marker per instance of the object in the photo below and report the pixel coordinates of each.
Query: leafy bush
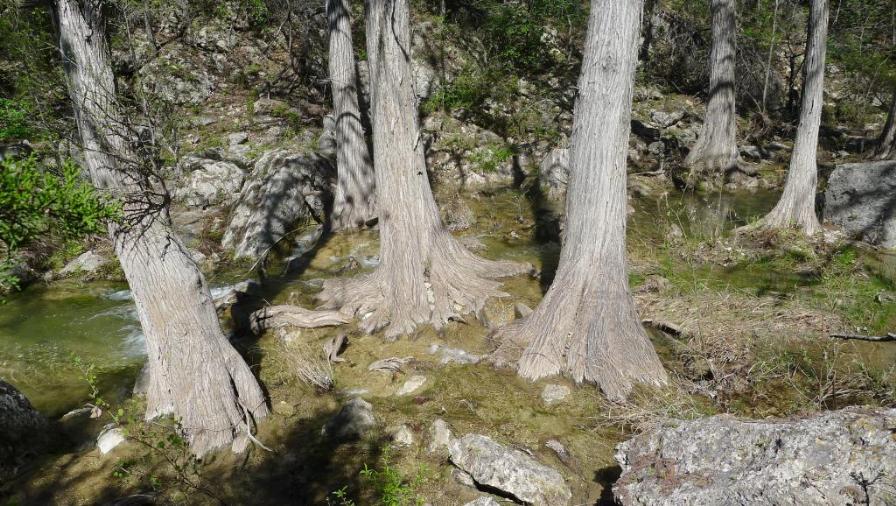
column 36, row 202
column 13, row 120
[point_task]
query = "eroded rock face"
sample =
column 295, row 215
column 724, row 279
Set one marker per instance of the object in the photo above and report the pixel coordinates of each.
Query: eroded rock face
column 22, row 430
column 838, row 457
column 508, row 470
column 282, row 190
column 861, row 198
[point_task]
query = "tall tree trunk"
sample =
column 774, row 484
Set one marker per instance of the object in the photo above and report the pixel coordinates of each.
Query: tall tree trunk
column 425, row 275
column 355, row 186
column 714, row 155
column 796, row 208
column 195, row 374
column 886, row 145
column 771, row 54
column 587, row 325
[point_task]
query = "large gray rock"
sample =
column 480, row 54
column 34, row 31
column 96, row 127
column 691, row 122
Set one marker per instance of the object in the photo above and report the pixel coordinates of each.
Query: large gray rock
column 87, row 263
column 839, row 457
column 508, row 470
column 283, row 190
column 861, row 198
column 22, row 430
column 212, row 183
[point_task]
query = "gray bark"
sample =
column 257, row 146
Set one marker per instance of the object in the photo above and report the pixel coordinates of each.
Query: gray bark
column 425, row 275
column 886, row 145
column 587, row 325
column 714, row 155
column 796, row 208
column 354, row 202
column 194, row 373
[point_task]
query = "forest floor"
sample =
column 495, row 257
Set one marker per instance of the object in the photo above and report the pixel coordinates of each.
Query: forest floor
column 746, row 318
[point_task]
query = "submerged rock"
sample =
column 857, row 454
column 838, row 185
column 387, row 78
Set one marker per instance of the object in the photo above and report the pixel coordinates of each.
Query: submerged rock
column 283, row 190
column 508, row 470
column 839, row 457
column 352, row 422
column 22, row 430
column 861, row 198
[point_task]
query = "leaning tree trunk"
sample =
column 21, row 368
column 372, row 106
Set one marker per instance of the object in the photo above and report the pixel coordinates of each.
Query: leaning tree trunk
column 886, row 145
column 425, row 275
column 587, row 325
column 714, row 155
column 796, row 208
column 353, row 205
column 195, row 374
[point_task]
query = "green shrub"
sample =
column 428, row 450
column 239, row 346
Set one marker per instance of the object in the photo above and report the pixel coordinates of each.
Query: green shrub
column 35, row 202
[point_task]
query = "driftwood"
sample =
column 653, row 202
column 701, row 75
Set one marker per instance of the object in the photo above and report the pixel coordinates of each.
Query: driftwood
column 858, row 337
column 275, row 317
column 391, row 364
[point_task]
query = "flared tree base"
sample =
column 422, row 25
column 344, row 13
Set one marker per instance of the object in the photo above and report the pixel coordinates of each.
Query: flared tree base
column 453, row 283
column 589, row 337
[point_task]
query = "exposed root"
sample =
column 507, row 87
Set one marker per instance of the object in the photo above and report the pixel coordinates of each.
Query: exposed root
column 306, row 362
column 285, row 316
column 454, row 282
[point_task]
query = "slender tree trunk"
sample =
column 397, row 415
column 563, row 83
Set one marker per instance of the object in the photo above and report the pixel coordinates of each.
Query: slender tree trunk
column 715, row 153
column 886, row 145
column 355, row 186
column 195, row 374
column 797, row 205
column 768, row 63
column 425, row 275
column 587, row 325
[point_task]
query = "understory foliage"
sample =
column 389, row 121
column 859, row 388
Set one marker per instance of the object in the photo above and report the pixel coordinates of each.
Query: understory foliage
column 35, row 202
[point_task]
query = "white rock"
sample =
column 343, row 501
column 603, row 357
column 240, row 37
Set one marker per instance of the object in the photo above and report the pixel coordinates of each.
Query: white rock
column 441, row 436
column 485, row 500
column 109, row 438
column 553, row 393
column 411, row 385
column 403, row 436
column 86, row 263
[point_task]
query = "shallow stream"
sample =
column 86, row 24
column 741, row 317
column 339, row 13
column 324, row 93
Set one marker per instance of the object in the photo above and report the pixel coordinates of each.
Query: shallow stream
column 44, row 327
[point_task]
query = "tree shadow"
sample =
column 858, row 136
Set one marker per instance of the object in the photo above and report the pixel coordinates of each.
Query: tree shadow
column 305, row 468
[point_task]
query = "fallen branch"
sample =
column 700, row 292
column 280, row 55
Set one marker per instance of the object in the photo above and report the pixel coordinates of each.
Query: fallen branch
column 662, row 326
column 858, row 337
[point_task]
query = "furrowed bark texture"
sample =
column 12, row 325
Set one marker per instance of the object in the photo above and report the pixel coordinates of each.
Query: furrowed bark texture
column 714, row 155
column 354, row 203
column 796, row 208
column 195, row 374
column 425, row 275
column 886, row 146
column 587, row 326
